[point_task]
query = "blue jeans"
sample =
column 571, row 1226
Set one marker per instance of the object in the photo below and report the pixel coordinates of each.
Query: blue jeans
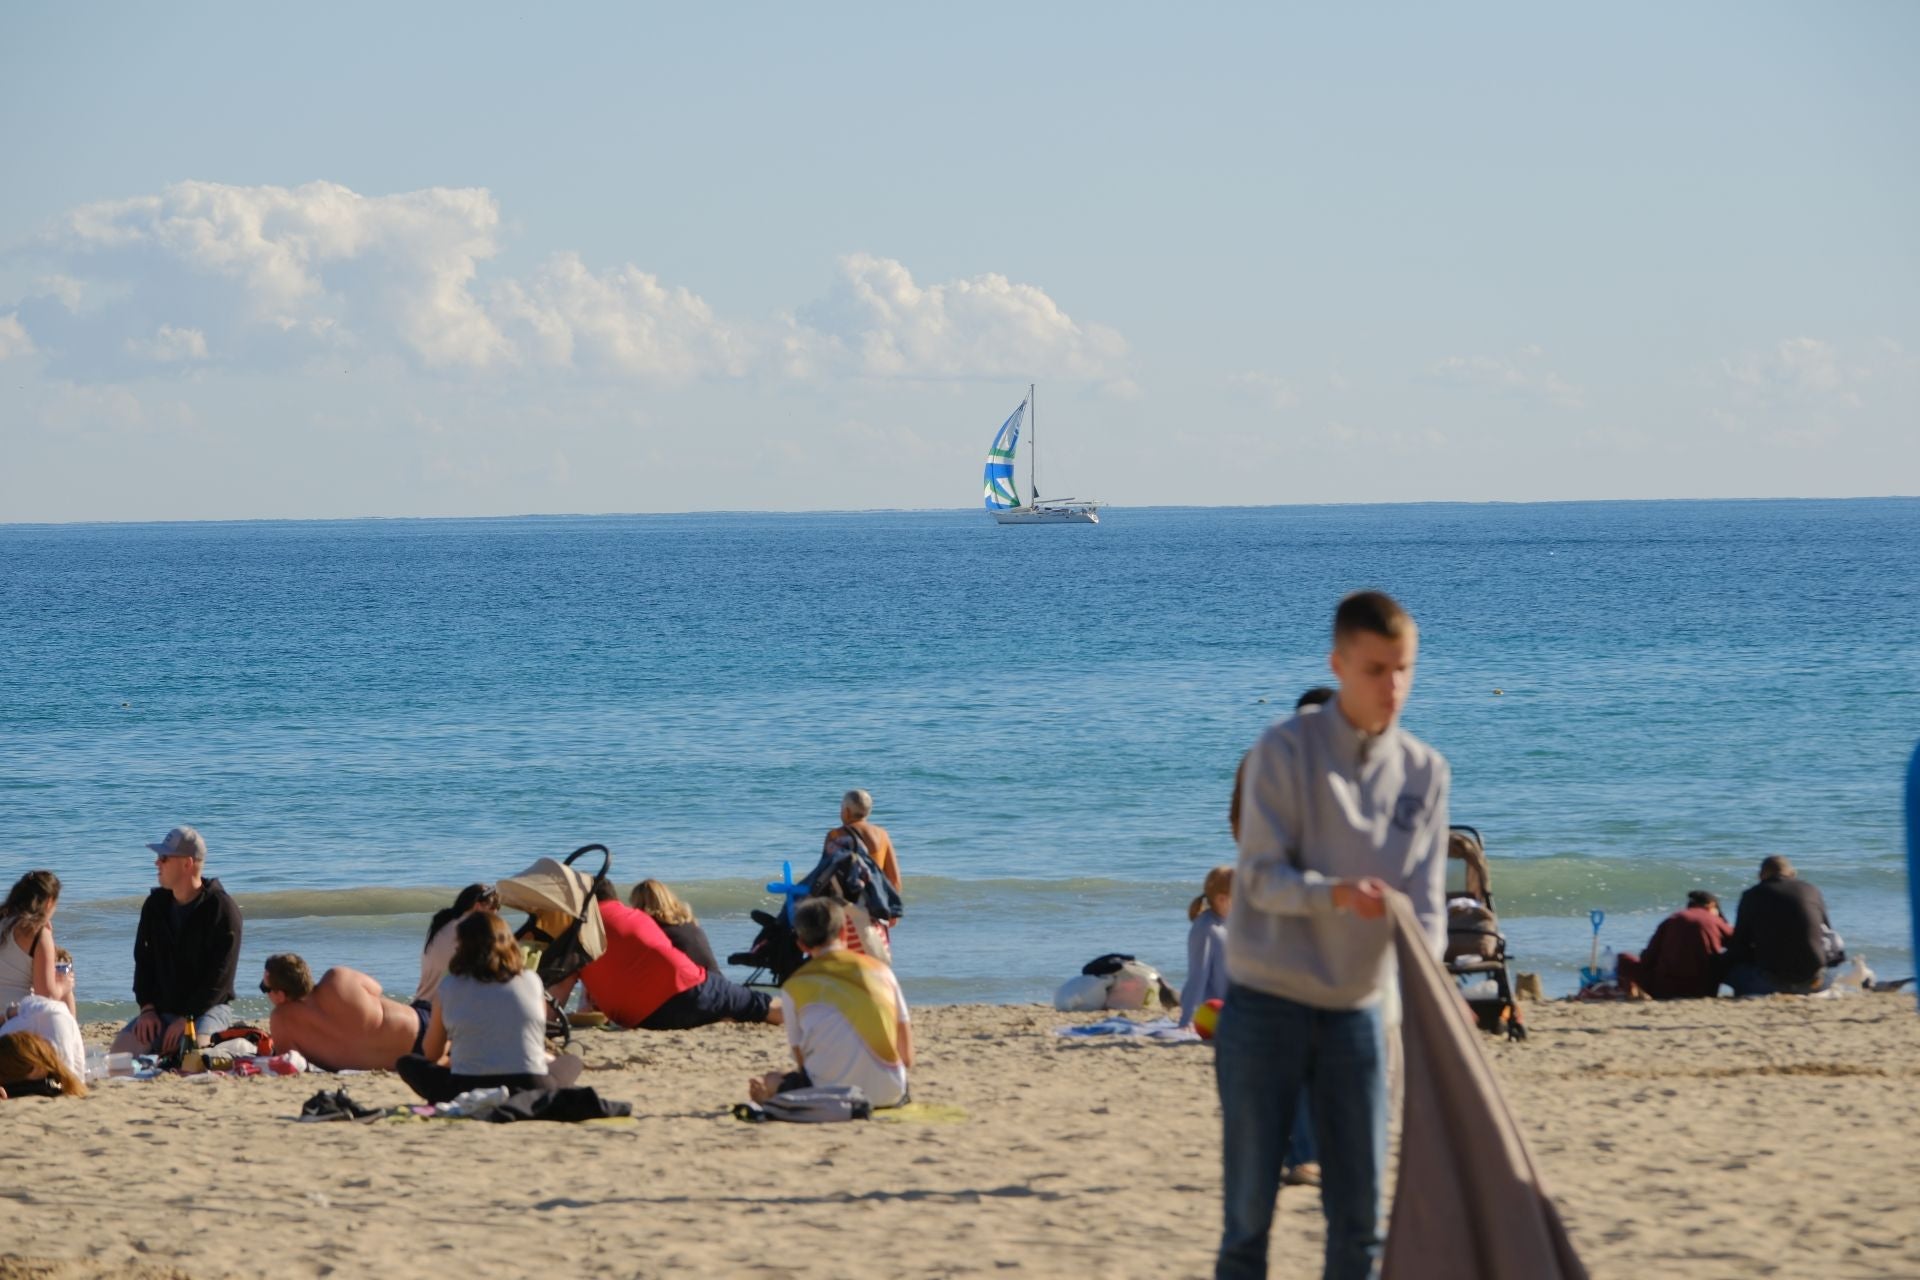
column 218, row 1018
column 1748, row 979
column 1266, row 1051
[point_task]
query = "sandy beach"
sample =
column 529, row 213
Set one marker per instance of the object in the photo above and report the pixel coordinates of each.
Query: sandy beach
column 1760, row 1138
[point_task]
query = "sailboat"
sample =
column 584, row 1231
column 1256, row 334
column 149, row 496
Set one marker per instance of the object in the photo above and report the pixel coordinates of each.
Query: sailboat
column 1003, row 491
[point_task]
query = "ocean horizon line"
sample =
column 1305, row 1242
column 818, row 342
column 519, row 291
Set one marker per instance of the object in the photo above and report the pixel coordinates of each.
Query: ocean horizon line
column 712, row 512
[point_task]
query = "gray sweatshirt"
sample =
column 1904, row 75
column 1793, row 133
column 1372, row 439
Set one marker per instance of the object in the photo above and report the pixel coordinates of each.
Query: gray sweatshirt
column 1320, row 802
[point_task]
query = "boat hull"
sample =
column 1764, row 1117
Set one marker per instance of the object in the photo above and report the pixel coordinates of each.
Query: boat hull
column 1048, row 515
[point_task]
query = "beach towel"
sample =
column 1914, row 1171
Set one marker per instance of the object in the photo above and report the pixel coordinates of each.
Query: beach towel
column 861, row 988
column 1159, row 1030
column 1468, row 1204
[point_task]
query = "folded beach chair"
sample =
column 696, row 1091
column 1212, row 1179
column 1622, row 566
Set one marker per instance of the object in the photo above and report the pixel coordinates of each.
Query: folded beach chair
column 1476, row 949
column 563, row 932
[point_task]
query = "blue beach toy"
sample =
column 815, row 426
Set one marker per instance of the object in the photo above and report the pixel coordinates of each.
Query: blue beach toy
column 1913, row 849
column 1590, row 974
column 787, row 889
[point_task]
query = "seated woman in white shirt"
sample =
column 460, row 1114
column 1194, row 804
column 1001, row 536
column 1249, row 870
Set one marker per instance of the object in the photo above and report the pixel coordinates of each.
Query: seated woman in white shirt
column 440, row 938
column 36, row 982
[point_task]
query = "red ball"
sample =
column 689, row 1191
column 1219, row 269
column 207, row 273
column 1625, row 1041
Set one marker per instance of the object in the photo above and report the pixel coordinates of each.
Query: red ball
column 1206, row 1019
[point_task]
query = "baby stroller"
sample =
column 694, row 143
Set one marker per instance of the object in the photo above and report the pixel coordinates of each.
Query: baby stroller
column 1476, row 949
column 846, row 872
column 774, row 953
column 563, row 932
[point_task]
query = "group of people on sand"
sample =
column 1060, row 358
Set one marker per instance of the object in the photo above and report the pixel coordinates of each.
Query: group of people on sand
column 478, row 1016
column 1780, row 943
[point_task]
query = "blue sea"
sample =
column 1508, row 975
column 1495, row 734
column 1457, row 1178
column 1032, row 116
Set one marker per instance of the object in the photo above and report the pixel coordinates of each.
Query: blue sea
column 1637, row 699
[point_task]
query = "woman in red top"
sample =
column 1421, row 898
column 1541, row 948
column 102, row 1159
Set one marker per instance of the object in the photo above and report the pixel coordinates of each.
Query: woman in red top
column 643, row 980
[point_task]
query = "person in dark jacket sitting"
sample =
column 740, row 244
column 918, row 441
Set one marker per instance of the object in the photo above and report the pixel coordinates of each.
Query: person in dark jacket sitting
column 1779, row 945
column 676, row 920
column 185, row 952
column 1686, row 958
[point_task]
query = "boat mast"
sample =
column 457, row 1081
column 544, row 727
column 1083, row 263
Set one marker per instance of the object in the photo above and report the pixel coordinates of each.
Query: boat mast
column 1033, row 447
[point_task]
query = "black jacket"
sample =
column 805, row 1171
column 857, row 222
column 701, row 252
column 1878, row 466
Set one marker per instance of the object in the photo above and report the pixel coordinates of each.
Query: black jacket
column 1778, row 930
column 191, row 971
column 691, row 941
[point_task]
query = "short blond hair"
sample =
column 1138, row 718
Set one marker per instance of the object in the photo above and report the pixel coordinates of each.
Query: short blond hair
column 858, row 803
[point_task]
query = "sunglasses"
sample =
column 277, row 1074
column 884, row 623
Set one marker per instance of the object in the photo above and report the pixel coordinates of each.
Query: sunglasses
column 266, row 988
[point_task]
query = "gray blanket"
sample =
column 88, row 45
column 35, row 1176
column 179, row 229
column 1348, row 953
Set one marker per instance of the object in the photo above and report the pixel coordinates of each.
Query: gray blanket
column 1468, row 1202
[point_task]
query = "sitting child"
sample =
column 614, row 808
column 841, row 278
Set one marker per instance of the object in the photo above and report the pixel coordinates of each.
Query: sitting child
column 845, row 1017
column 343, row 1023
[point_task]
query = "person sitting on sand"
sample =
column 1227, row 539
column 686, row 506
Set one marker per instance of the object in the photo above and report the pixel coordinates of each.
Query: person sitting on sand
column 489, row 1020
column 32, row 1068
column 36, row 975
column 185, row 952
column 643, row 980
column 676, row 920
column 342, row 1023
column 1779, row 935
column 1686, row 957
column 440, row 938
column 846, row 1018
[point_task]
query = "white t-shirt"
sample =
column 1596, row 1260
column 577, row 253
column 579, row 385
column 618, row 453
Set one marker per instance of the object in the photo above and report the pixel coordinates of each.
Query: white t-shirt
column 435, row 959
column 835, row 1054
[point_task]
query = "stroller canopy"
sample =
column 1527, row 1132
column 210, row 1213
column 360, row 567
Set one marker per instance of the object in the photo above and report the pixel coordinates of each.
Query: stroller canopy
column 1465, row 846
column 556, row 895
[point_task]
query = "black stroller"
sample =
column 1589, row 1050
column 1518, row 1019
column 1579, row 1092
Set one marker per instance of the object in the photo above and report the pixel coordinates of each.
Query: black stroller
column 1476, row 949
column 563, row 932
column 846, row 872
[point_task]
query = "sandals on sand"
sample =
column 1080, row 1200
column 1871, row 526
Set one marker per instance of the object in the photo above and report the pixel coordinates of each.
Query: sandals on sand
column 336, row 1106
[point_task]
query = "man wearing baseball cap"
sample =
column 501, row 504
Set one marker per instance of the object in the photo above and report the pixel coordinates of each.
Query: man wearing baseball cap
column 185, row 953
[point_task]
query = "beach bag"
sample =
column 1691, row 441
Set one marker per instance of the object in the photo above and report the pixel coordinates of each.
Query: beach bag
column 1139, row 986
column 815, row 1104
column 847, row 871
column 1082, row 993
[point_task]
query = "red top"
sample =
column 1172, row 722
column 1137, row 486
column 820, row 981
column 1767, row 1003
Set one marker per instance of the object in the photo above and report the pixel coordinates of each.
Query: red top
column 640, row 970
column 1682, row 960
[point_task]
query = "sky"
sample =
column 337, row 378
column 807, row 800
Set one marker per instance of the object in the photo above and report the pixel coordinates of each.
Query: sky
column 430, row 260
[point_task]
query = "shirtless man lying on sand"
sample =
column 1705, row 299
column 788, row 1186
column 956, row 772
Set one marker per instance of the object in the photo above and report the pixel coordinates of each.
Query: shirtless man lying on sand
column 344, row 1023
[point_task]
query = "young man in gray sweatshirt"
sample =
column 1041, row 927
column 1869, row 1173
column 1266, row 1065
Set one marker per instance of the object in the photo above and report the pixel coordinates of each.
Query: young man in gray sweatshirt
column 1337, row 809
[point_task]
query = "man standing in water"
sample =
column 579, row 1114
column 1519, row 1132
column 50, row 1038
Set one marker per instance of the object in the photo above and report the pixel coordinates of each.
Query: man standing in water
column 1337, row 809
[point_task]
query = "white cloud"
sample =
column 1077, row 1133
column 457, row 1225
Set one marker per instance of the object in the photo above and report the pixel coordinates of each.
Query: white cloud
column 1275, row 392
column 1494, row 373
column 623, row 321
column 13, row 337
column 1801, row 367
column 169, row 345
column 879, row 323
column 275, row 276
column 308, row 259
column 70, row 292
